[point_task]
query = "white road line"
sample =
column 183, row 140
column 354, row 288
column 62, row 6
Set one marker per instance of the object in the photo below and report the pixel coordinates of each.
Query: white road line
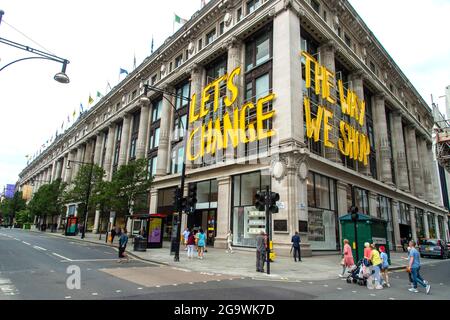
column 158, row 286
column 16, row 239
column 95, row 294
column 26, row 243
column 60, row 256
column 68, row 297
column 91, row 260
column 118, row 291
column 39, row 248
column 139, row 288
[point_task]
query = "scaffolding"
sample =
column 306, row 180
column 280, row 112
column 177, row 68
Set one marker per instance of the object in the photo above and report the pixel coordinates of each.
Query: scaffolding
column 442, row 136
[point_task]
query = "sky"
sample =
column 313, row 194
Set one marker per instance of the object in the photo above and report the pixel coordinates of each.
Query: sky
column 100, row 37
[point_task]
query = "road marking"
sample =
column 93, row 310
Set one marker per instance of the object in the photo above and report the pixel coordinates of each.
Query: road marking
column 26, row 243
column 325, row 285
column 60, row 256
column 52, row 271
column 92, row 260
column 354, row 291
column 16, row 239
column 68, row 297
column 391, row 298
column 139, row 288
column 373, row 295
column 339, row 288
column 158, row 286
column 95, row 294
column 118, row 291
column 39, row 248
column 7, row 288
column 174, row 284
column 191, row 283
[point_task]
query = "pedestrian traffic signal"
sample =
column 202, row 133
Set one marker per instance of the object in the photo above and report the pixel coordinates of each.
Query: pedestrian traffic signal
column 260, row 201
column 273, row 199
column 177, row 196
column 191, row 198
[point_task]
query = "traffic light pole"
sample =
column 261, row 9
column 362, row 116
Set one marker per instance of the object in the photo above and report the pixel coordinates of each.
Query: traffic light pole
column 268, row 219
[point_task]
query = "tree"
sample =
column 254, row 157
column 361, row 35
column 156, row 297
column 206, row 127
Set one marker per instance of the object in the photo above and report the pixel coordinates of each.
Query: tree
column 48, row 200
column 10, row 207
column 24, row 216
column 128, row 186
column 98, row 195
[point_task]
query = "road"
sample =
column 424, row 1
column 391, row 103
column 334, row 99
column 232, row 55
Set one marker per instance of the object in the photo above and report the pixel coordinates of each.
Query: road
column 34, row 266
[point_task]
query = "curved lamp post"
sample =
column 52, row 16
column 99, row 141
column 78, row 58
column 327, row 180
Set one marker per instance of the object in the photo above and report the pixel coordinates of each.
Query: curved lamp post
column 60, row 77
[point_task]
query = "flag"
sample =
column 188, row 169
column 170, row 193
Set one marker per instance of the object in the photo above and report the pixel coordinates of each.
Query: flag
column 134, row 61
column 152, row 44
column 180, row 20
column 99, row 95
column 203, row 3
column 108, row 85
column 68, row 119
column 74, row 113
column 81, row 107
column 62, row 125
column 123, row 71
column 90, row 101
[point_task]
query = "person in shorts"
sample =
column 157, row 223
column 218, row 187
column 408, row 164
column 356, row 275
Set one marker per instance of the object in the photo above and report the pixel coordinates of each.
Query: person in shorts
column 384, row 266
column 201, row 243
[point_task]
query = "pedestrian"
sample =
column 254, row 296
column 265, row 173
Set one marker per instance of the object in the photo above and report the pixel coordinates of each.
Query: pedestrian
column 347, row 261
column 367, row 252
column 201, row 243
column 113, row 233
column 260, row 251
column 191, row 245
column 185, row 238
column 296, row 246
column 414, row 268
column 229, row 242
column 123, row 240
column 384, row 266
column 376, row 262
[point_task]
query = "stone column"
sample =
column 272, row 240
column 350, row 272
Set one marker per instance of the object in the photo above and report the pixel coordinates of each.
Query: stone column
column 415, row 170
column 164, row 135
column 196, row 88
column 63, row 167
column 358, row 87
column 381, row 140
column 98, row 148
column 438, row 229
column 143, row 130
column 223, row 212
column 327, row 58
column 58, row 171
column 447, row 234
column 96, row 221
column 89, row 151
column 435, row 180
column 400, row 155
column 153, row 201
column 287, row 80
column 69, row 173
column 412, row 213
column 426, row 225
column 109, row 151
column 373, row 201
column 124, row 141
column 396, row 219
column 53, row 172
column 75, row 167
column 426, row 166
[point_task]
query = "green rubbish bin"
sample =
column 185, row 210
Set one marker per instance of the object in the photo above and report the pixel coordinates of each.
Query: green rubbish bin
column 368, row 229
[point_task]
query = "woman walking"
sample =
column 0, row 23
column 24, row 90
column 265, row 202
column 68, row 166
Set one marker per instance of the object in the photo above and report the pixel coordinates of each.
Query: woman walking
column 384, row 266
column 229, row 242
column 190, row 245
column 123, row 240
column 347, row 261
column 201, row 243
column 376, row 261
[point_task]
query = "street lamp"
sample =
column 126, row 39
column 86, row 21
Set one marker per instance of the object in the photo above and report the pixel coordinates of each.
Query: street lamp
column 88, row 192
column 60, row 77
column 146, row 88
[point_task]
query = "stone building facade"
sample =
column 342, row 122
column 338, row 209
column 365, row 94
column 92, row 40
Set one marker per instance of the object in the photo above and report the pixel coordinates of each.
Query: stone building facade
column 390, row 175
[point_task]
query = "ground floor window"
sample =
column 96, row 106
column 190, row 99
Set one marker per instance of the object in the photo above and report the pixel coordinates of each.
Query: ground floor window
column 165, row 208
column 432, row 225
column 247, row 221
column 384, row 211
column 323, row 229
column 420, row 224
column 441, row 227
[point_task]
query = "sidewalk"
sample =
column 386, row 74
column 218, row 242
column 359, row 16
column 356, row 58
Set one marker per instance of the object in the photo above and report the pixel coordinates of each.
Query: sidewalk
column 243, row 263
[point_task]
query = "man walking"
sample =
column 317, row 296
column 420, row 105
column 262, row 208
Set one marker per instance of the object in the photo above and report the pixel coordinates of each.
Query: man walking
column 296, row 246
column 123, row 240
column 414, row 268
column 186, row 233
column 260, row 251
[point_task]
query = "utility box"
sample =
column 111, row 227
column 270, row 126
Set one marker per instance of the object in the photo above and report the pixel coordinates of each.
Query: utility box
column 368, row 229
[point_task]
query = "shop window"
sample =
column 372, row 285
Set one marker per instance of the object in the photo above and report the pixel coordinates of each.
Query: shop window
column 420, row 226
column 404, row 214
column 384, row 212
column 432, row 226
column 247, row 222
column 207, row 193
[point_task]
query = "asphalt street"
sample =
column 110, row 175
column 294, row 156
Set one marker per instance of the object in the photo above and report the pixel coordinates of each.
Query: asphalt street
column 35, row 266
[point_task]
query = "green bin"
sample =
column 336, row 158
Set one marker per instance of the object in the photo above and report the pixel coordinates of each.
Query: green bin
column 368, row 229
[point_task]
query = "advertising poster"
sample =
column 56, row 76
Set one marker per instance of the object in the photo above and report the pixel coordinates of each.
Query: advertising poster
column 154, row 230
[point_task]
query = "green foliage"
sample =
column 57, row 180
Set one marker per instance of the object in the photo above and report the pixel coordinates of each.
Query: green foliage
column 24, row 216
column 10, row 207
column 128, row 186
column 80, row 185
column 48, row 200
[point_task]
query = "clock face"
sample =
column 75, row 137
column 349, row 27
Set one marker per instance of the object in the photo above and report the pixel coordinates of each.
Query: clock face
column 278, row 170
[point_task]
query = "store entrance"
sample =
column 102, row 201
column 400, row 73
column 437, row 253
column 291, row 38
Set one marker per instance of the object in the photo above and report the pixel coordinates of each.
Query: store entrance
column 206, row 220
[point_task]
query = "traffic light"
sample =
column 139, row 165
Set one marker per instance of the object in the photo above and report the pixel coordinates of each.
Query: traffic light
column 177, row 196
column 260, row 201
column 273, row 199
column 191, row 198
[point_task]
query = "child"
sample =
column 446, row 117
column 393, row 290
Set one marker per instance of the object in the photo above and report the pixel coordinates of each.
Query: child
column 384, row 266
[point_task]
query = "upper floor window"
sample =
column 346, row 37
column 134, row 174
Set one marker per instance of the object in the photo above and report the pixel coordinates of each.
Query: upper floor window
column 178, row 61
column 157, row 109
column 252, row 5
column 154, row 79
column 211, row 36
column 348, row 41
column 315, row 5
column 200, row 44
column 372, row 67
column 258, row 51
column 239, row 14
column 182, row 93
column 221, row 28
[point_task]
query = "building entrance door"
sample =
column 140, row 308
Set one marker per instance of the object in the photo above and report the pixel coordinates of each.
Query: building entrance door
column 206, row 220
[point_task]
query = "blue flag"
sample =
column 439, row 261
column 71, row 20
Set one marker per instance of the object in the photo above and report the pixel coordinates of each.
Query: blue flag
column 81, row 108
column 123, row 71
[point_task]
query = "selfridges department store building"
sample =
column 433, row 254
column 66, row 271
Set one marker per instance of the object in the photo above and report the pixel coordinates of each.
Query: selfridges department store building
column 297, row 95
